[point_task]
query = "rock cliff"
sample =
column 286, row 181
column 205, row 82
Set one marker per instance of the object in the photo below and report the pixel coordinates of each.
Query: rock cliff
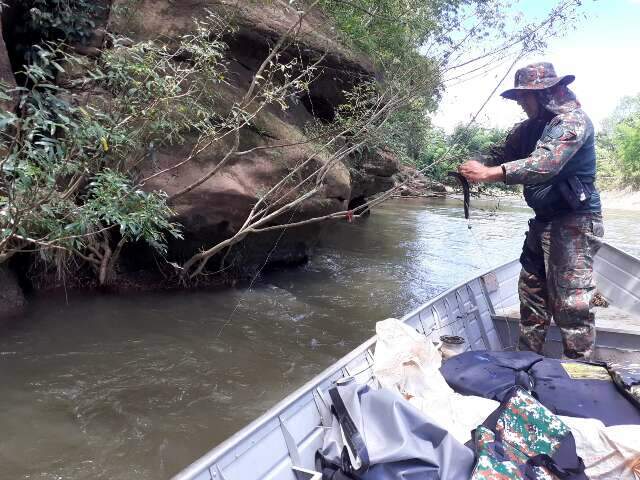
column 217, row 208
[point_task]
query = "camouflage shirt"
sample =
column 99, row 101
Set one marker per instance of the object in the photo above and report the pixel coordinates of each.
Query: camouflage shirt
column 520, row 142
column 557, row 139
column 560, row 140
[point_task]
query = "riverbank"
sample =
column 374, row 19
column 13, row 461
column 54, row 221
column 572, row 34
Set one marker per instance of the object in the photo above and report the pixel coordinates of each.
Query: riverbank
column 626, row 199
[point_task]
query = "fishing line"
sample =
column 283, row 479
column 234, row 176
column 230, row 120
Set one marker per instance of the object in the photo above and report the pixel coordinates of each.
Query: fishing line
column 465, row 188
column 490, row 267
column 255, row 277
column 443, row 157
column 366, row 205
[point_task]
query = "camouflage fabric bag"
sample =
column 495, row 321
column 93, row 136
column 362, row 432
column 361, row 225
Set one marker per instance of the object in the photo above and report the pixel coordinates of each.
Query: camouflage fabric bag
column 627, row 379
column 524, row 440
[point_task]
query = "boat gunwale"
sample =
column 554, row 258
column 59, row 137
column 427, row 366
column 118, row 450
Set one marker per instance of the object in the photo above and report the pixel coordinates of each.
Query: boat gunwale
column 620, row 251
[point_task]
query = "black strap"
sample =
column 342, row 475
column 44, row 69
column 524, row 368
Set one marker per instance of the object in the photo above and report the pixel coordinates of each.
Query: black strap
column 563, row 472
column 352, row 436
column 565, row 462
column 586, row 178
column 330, row 470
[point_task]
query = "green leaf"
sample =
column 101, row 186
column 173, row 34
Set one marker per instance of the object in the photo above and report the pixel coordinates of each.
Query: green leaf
column 57, row 66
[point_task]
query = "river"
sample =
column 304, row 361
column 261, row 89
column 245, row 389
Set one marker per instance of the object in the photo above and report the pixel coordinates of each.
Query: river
column 138, row 386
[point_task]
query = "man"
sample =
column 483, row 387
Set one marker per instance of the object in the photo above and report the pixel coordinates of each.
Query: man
column 552, row 154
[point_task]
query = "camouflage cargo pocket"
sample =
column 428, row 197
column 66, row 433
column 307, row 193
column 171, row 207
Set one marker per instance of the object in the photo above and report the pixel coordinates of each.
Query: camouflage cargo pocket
column 576, row 278
column 597, row 228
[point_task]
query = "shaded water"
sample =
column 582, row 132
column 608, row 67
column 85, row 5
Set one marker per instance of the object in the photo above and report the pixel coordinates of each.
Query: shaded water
column 137, row 387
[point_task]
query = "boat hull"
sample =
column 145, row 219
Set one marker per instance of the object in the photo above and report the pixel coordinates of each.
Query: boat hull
column 281, row 444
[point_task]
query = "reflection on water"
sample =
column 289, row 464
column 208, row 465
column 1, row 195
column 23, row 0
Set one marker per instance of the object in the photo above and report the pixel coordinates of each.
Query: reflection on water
column 137, row 387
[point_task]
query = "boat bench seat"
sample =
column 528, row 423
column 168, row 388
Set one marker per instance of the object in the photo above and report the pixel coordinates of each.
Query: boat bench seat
column 606, row 317
column 616, row 338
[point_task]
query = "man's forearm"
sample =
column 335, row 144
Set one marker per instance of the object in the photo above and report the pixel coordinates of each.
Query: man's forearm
column 495, row 174
column 477, row 172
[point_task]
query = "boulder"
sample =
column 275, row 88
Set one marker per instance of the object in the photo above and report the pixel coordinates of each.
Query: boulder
column 259, row 25
column 12, row 301
column 260, row 20
column 415, row 184
column 217, row 208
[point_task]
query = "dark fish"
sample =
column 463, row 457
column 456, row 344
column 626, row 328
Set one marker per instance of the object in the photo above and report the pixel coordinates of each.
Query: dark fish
column 465, row 190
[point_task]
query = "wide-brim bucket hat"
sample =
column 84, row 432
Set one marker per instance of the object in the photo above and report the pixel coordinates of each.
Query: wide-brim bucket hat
column 537, row 76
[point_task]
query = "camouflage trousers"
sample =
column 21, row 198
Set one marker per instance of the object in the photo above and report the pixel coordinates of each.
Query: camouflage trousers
column 556, row 282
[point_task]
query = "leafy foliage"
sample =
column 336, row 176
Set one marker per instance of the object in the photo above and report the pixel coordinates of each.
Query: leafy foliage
column 56, row 187
column 393, row 29
column 618, row 146
column 462, row 144
column 407, row 132
column 69, row 20
column 114, row 200
column 35, row 22
column 628, row 145
column 70, row 183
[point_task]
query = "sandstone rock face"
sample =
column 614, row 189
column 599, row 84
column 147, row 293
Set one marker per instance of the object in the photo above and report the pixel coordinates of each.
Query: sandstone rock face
column 12, row 299
column 151, row 19
column 6, row 73
column 372, row 172
column 415, row 184
column 217, row 208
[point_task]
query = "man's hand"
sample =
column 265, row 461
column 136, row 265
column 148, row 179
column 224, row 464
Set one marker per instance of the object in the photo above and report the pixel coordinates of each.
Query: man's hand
column 477, row 172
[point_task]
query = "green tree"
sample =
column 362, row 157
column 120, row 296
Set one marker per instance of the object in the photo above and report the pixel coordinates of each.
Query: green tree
column 60, row 193
column 394, row 30
column 618, row 146
column 627, row 140
column 463, row 143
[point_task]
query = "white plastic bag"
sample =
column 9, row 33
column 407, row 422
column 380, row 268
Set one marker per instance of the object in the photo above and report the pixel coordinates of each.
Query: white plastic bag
column 607, row 452
column 408, row 362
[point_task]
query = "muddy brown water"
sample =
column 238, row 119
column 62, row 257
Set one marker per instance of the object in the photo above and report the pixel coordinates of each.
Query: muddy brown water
column 139, row 386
